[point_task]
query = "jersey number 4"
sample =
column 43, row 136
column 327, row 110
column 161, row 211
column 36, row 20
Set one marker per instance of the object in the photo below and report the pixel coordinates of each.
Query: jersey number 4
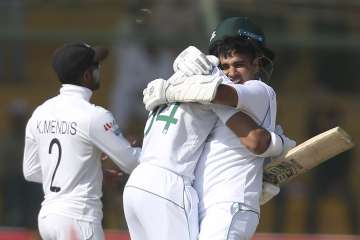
column 53, row 142
column 168, row 119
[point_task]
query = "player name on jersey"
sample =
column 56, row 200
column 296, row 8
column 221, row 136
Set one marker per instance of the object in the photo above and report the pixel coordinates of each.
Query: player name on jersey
column 56, row 127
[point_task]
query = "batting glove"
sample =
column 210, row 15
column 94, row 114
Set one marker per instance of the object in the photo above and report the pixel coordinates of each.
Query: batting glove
column 154, row 94
column 196, row 88
column 269, row 191
column 192, row 61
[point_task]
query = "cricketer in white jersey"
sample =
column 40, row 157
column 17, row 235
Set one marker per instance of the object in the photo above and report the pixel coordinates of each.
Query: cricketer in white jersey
column 223, row 143
column 228, row 175
column 65, row 138
column 159, row 201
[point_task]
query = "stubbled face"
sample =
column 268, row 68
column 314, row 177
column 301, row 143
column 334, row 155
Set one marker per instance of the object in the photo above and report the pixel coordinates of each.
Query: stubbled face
column 238, row 67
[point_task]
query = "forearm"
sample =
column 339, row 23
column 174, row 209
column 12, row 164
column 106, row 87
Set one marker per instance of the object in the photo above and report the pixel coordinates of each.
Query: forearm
column 255, row 138
column 112, row 143
column 127, row 157
column 119, row 150
column 257, row 141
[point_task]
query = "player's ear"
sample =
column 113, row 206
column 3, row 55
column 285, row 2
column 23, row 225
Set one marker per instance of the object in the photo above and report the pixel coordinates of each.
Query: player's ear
column 87, row 73
column 86, row 77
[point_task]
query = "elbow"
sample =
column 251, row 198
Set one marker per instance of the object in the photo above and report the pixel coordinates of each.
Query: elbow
column 32, row 176
column 256, row 147
column 258, row 141
column 28, row 177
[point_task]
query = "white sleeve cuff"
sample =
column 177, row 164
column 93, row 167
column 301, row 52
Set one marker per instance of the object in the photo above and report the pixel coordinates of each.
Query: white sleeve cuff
column 275, row 147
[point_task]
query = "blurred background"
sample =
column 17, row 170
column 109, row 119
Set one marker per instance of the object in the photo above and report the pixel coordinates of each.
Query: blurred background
column 316, row 77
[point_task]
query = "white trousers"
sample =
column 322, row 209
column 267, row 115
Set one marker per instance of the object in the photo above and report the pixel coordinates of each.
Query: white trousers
column 227, row 221
column 58, row 227
column 158, row 205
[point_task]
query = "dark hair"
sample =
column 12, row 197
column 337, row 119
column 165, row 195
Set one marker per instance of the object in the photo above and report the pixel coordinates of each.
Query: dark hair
column 75, row 76
column 229, row 45
column 73, row 59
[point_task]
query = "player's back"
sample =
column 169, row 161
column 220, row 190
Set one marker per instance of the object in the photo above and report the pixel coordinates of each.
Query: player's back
column 70, row 163
column 175, row 135
column 158, row 195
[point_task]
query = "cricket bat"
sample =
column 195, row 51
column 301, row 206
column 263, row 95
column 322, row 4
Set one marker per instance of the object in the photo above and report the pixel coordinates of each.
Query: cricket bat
column 307, row 155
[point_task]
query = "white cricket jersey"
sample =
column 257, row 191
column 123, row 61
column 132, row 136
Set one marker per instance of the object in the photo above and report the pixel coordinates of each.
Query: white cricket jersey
column 174, row 136
column 65, row 137
column 227, row 170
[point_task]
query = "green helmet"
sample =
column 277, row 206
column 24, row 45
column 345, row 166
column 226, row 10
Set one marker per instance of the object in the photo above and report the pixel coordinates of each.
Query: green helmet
column 242, row 27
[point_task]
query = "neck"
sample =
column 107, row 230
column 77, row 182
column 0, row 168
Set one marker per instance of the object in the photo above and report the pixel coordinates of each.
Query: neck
column 76, row 90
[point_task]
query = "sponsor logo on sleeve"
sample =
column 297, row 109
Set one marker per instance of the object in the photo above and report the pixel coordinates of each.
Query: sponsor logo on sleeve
column 113, row 127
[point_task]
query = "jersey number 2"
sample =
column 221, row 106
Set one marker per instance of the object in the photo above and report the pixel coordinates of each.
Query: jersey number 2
column 57, row 142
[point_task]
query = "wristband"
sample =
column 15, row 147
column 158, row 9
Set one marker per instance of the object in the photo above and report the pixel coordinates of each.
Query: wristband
column 275, row 147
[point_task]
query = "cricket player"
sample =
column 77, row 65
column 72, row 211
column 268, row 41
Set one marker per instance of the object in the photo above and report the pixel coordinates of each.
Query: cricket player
column 65, row 138
column 228, row 177
column 159, row 200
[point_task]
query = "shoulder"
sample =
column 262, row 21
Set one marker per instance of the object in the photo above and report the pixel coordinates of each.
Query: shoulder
column 103, row 120
column 100, row 114
column 261, row 86
column 43, row 107
column 99, row 111
column 258, row 83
